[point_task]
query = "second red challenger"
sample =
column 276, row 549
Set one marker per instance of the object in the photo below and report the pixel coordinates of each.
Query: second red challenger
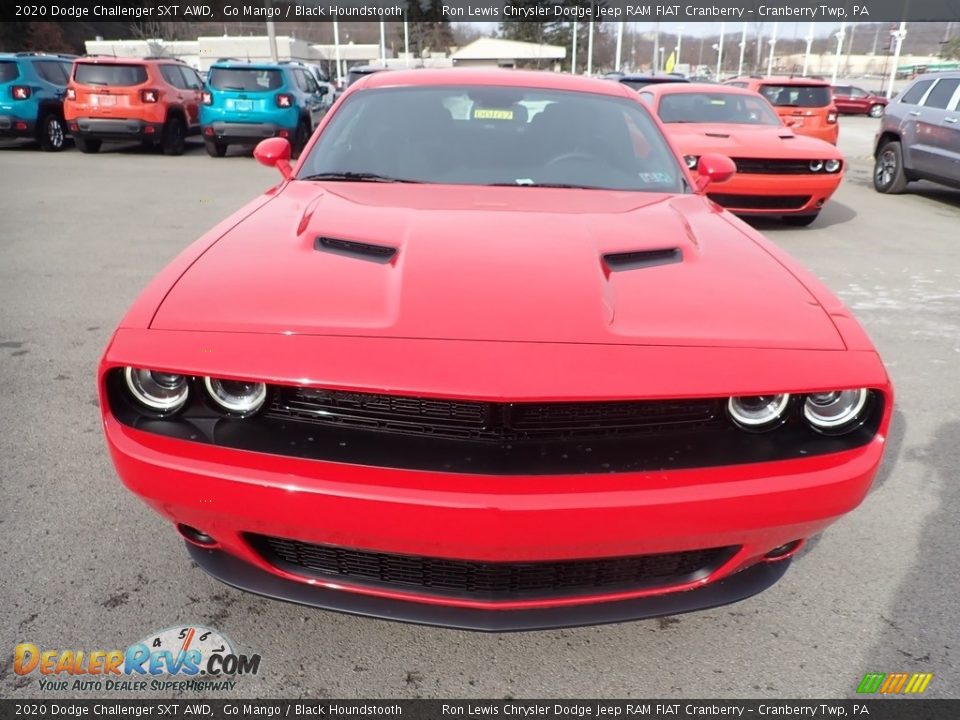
column 779, row 172
column 488, row 357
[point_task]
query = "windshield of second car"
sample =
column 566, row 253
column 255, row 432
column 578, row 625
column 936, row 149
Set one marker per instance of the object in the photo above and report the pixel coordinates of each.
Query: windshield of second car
column 490, row 135
column 716, row 107
column 805, row 96
column 246, row 80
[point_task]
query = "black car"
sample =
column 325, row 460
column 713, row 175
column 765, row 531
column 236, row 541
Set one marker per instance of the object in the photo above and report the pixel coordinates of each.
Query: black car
column 639, row 81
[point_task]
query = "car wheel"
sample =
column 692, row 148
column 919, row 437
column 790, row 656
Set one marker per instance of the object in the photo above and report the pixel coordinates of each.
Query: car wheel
column 53, row 133
column 876, row 111
column 174, row 137
column 87, row 145
column 799, row 220
column 215, row 149
column 888, row 173
column 300, row 139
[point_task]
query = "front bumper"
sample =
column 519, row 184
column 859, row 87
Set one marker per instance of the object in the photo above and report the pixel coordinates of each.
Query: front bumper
column 758, row 194
column 119, row 129
column 13, row 126
column 228, row 132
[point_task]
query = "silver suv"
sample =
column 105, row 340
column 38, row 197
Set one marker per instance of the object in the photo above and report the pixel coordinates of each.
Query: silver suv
column 919, row 136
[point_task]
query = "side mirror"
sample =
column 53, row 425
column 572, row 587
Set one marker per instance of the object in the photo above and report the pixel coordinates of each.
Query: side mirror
column 322, row 90
column 714, row 169
column 275, row 152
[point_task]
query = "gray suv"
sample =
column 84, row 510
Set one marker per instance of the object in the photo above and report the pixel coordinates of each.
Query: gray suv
column 919, row 136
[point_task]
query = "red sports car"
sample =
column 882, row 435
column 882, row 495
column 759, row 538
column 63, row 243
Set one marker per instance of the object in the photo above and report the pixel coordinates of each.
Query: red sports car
column 778, row 172
column 488, row 357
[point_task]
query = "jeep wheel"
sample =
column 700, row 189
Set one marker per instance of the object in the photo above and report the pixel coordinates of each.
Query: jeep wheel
column 888, row 173
column 53, row 133
column 215, row 149
column 87, row 145
column 174, row 137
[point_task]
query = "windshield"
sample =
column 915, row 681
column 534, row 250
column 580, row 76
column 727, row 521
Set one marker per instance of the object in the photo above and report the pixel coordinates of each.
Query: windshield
column 488, row 135
column 806, row 96
column 246, row 79
column 716, row 107
column 111, row 75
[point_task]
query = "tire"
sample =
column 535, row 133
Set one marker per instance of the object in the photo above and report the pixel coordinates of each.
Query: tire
column 215, row 149
column 87, row 145
column 174, row 136
column 800, row 220
column 875, row 111
column 52, row 133
column 889, row 177
column 300, row 139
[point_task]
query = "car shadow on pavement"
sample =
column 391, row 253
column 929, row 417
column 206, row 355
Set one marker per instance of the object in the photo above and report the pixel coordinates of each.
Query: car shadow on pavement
column 833, row 213
column 938, row 193
column 191, row 147
column 919, row 628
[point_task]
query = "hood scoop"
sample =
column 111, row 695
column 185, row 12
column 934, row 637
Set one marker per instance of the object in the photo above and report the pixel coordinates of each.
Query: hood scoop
column 352, row 248
column 639, row 259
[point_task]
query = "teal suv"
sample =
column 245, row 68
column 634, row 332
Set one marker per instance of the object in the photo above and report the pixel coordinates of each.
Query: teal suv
column 32, row 86
column 244, row 103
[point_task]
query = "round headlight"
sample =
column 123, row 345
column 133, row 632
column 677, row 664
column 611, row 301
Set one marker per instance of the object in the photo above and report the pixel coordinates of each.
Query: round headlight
column 816, row 165
column 692, row 161
column 160, row 391
column 835, row 411
column 236, row 396
column 831, row 166
column 757, row 411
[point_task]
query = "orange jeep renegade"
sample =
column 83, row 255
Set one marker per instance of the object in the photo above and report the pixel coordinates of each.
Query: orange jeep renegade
column 805, row 104
column 155, row 101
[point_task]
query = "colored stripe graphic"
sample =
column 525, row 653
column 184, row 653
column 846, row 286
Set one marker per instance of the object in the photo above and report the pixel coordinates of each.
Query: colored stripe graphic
column 894, row 683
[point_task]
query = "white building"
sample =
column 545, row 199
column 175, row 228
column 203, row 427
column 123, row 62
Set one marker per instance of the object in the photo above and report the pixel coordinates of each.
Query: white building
column 497, row 52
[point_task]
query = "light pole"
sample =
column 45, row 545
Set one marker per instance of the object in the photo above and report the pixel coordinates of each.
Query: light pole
column 680, row 42
column 406, row 41
column 573, row 58
column 336, row 53
column 836, row 59
column 806, row 58
column 720, row 51
column 899, row 35
column 656, row 48
column 743, row 49
column 590, row 47
column 616, row 64
column 383, row 44
column 773, row 49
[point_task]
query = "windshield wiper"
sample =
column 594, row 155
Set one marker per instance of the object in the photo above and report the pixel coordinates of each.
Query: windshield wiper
column 357, row 177
column 567, row 186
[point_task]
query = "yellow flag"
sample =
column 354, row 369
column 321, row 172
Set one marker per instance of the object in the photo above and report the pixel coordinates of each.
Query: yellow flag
column 671, row 61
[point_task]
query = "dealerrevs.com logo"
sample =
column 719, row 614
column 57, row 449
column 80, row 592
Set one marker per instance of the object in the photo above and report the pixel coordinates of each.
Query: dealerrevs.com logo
column 176, row 659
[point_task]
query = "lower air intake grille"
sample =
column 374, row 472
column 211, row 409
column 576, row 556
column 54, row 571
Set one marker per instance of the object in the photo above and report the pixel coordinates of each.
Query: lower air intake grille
column 772, row 167
column 760, row 202
column 486, row 580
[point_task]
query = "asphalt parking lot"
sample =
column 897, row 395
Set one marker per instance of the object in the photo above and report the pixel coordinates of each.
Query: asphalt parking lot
column 86, row 565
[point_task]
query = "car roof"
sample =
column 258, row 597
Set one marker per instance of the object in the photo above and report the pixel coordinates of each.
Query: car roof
column 689, row 87
column 945, row 74
column 245, row 65
column 647, row 77
column 789, row 80
column 495, row 77
column 36, row 56
column 112, row 60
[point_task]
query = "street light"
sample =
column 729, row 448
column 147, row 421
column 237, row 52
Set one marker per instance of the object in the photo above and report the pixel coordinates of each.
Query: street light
column 773, row 49
column 743, row 49
column 899, row 35
column 836, row 60
column 806, row 58
column 720, row 51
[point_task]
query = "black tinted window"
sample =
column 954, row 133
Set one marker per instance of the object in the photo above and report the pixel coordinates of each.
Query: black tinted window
column 171, row 73
column 716, row 107
column 913, row 95
column 492, row 135
column 110, row 75
column 247, row 80
column 190, row 78
column 51, row 71
column 940, row 96
column 8, row 71
column 806, row 96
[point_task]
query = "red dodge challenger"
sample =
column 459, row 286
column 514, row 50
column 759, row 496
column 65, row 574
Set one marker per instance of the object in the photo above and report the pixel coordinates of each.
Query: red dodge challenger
column 779, row 172
column 488, row 357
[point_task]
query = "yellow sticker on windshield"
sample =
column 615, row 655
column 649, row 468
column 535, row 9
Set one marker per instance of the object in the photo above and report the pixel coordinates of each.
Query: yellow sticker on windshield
column 488, row 114
column 718, row 101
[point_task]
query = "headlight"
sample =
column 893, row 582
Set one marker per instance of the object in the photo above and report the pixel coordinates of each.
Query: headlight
column 236, row 396
column 836, row 411
column 816, row 165
column 160, row 391
column 692, row 161
column 756, row 412
column 831, row 166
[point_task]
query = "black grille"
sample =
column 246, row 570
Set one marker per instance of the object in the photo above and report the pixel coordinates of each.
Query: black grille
column 494, row 422
column 487, row 580
column 772, row 167
column 760, row 202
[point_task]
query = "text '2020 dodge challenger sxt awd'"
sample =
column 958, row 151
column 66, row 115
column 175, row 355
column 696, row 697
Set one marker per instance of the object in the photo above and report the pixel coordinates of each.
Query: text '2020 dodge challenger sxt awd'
column 488, row 357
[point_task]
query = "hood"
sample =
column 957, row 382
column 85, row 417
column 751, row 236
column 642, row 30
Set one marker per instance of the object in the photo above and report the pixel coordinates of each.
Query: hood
column 748, row 141
column 497, row 264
